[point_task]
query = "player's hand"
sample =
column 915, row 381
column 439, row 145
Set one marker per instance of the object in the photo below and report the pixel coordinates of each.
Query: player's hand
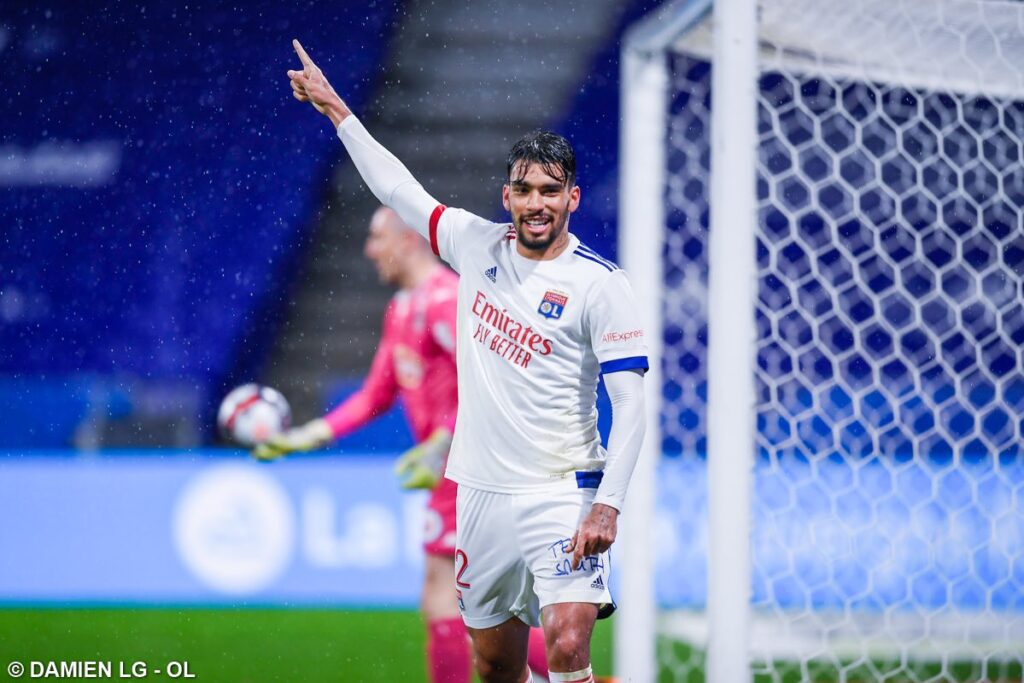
column 421, row 466
column 596, row 533
column 310, row 85
column 308, row 437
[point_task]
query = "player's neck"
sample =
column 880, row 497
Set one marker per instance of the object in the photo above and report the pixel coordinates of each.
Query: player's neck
column 418, row 272
column 551, row 252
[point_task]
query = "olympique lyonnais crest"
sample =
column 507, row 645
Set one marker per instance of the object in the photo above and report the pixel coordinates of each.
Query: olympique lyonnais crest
column 552, row 304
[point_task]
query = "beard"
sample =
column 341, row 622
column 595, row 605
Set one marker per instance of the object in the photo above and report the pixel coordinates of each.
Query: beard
column 539, row 242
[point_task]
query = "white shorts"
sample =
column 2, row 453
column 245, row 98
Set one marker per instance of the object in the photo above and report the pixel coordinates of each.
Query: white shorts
column 511, row 559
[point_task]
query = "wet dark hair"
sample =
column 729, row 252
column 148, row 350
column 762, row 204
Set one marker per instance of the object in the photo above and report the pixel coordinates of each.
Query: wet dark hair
column 552, row 151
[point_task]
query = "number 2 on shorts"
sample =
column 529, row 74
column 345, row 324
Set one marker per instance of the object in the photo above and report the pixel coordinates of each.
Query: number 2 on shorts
column 461, row 555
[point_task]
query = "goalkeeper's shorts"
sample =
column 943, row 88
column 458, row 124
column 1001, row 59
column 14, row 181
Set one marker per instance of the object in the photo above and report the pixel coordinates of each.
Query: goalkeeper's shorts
column 439, row 520
column 512, row 556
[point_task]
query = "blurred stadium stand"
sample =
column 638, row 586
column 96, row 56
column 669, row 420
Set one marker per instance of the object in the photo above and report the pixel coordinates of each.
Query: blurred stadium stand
column 163, row 213
column 157, row 187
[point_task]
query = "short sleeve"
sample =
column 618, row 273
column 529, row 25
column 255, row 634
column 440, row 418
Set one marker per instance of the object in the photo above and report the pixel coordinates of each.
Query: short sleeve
column 454, row 232
column 616, row 331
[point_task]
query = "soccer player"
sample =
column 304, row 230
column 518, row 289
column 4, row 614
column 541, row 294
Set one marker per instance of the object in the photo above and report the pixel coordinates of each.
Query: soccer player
column 540, row 317
column 416, row 362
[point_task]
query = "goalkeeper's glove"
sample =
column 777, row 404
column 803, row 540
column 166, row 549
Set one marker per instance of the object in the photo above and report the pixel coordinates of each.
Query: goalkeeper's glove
column 310, row 436
column 421, row 466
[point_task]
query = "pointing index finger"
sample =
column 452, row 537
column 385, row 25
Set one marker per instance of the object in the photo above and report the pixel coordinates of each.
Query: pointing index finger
column 303, row 57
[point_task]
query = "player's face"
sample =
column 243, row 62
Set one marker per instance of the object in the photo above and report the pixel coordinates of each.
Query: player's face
column 540, row 205
column 384, row 248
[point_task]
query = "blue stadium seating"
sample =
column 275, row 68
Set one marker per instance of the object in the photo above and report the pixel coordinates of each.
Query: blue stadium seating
column 157, row 185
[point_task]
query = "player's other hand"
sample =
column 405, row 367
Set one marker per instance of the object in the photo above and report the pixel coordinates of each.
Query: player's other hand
column 310, row 436
column 421, row 466
column 310, row 85
column 596, row 533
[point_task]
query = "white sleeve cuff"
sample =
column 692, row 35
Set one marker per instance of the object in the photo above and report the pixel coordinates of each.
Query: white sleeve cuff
column 346, row 122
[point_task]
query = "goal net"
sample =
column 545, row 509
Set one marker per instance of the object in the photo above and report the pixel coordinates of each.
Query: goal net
column 886, row 509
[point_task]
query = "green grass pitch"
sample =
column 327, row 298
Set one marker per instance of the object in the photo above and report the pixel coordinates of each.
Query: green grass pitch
column 250, row 645
column 236, row 645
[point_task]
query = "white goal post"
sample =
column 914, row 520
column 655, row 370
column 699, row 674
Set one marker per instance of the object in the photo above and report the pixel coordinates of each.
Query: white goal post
column 822, row 212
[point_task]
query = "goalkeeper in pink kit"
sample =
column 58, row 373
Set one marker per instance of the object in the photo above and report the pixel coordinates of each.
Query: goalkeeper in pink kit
column 415, row 362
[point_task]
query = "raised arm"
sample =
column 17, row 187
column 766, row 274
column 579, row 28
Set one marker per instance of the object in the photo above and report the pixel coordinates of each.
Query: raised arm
column 386, row 176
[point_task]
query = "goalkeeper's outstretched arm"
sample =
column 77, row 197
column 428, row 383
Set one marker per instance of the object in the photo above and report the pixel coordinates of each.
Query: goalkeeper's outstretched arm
column 388, row 179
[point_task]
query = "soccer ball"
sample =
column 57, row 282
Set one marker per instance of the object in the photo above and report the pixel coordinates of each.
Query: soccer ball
column 251, row 414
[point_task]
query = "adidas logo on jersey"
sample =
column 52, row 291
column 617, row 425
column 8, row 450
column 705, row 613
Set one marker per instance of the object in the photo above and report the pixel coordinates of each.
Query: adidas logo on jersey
column 598, row 583
column 492, row 273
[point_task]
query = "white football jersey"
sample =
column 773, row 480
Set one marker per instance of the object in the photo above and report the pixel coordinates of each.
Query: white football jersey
column 532, row 338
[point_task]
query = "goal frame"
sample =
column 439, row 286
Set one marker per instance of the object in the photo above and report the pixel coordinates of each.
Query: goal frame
column 959, row 50
column 732, row 286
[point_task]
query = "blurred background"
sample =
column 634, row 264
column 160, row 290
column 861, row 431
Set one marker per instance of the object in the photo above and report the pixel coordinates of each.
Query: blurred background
column 174, row 224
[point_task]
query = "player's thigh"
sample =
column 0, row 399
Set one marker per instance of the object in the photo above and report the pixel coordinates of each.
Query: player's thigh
column 492, row 580
column 439, row 599
column 502, row 646
column 547, row 529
